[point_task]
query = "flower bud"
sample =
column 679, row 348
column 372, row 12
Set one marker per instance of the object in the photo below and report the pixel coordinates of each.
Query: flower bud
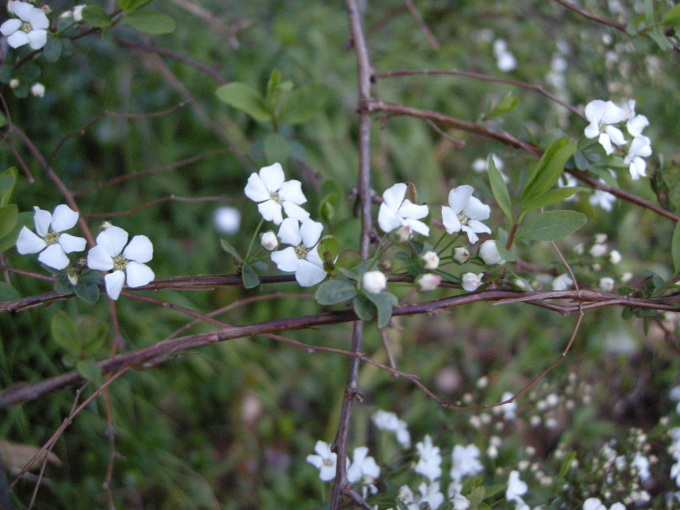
column 562, row 282
column 78, row 13
column 38, row 90
column 471, row 281
column 461, row 255
column 402, row 234
column 430, row 260
column 428, row 282
column 598, row 250
column 614, row 256
column 488, row 251
column 607, row 284
column 269, row 241
column 374, row 282
column 73, row 276
column 14, row 83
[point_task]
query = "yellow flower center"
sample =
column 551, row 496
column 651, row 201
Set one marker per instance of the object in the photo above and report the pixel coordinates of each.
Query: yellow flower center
column 301, row 251
column 119, row 263
column 51, row 238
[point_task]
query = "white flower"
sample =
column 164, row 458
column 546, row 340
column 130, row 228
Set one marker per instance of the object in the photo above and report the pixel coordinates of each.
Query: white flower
column 598, row 250
column 505, row 60
column 429, row 462
column 602, row 199
column 459, row 501
column 614, row 257
column 430, row 494
column 430, row 260
column 301, row 256
column 50, row 241
column 38, row 90
column 461, row 255
column 363, row 469
column 562, row 282
column 489, row 253
column 374, row 282
column 384, row 420
column 465, row 212
column 78, row 13
column 508, row 409
column 325, row 461
column 641, row 463
column 273, row 193
column 227, row 220
column 593, row 504
column 634, row 123
column 482, row 165
column 607, row 284
column 640, row 148
column 30, row 27
column 396, row 211
column 516, row 488
column 601, row 115
column 428, row 282
column 471, row 281
column 465, row 462
column 14, row 83
column 126, row 262
column 269, row 241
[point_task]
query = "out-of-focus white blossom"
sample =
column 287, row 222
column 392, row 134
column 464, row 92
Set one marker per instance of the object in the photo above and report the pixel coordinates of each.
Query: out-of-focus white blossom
column 640, row 147
column 562, row 282
column 384, row 420
column 428, row 282
column 429, row 459
column 227, row 220
column 505, row 60
column 38, row 90
column 465, row 462
column 607, row 284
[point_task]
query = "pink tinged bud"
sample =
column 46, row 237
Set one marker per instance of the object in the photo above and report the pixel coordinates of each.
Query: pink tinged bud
column 374, row 282
column 403, row 234
column 269, row 240
column 471, row 281
column 430, row 260
column 428, row 282
column 461, row 255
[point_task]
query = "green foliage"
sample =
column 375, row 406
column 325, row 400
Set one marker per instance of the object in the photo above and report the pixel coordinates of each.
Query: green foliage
column 151, row 22
column 504, row 106
column 551, row 226
column 672, row 17
column 335, row 291
column 246, row 98
column 95, row 16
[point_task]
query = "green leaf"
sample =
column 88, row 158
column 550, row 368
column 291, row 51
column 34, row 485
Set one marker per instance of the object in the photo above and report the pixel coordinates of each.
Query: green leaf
column 3, row 120
column 672, row 17
column 88, row 291
column 505, row 105
column 364, row 309
column 384, row 303
column 89, row 369
column 7, row 292
column 246, row 98
column 96, row 17
column 335, row 291
column 9, row 216
column 94, row 333
column 65, row 332
column 657, row 35
column 249, row 277
column 6, row 73
column 275, row 91
column 52, row 50
column 499, row 189
column 151, row 22
column 132, row 5
column 566, row 464
column 551, row 226
column 548, row 169
column 329, row 200
column 328, row 249
column 276, row 148
column 302, row 104
column 675, row 248
column 550, row 197
column 230, row 250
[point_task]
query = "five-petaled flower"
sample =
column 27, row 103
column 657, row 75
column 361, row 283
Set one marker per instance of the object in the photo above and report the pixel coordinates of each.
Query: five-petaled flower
column 274, row 193
column 325, row 461
column 601, row 115
column 301, row 256
column 50, row 241
column 127, row 263
column 29, row 27
column 640, row 147
column 464, row 212
column 398, row 211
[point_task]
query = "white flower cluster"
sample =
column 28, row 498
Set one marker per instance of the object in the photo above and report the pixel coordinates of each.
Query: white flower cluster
column 604, row 116
column 28, row 27
column 127, row 261
column 363, row 470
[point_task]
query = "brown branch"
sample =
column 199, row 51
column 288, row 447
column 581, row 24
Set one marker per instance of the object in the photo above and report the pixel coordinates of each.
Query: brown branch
column 593, row 17
column 420, row 22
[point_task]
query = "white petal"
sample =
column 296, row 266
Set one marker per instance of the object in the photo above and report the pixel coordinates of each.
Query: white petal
column 310, row 231
column 17, row 39
column 410, row 210
column 640, row 146
column 605, row 142
column 140, row 249
column 592, row 130
column 472, row 236
column 38, row 19
column 637, row 168
column 292, row 191
column 289, row 232
column 37, row 39
column 418, row 226
column 594, row 111
column 314, row 257
column 295, row 211
column 476, row 210
column 612, row 114
column 23, row 10
column 113, row 240
column 138, row 274
column 459, row 197
column 394, row 196
column 256, row 190
column 388, row 219
column 10, row 26
column 29, row 242
column 308, row 274
column 54, row 256
column 271, row 211
column 42, row 220
column 616, row 135
column 286, row 260
column 114, row 284
column 63, row 218
column 478, row 227
column 450, row 220
column 637, row 124
column 71, row 243
column 98, row 258
column 272, row 176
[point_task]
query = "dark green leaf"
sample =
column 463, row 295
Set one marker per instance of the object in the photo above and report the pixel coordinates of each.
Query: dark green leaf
column 3, row 120
column 52, row 50
column 8, row 180
column 249, row 277
column 548, row 169
column 672, row 17
column 132, row 5
column 6, row 73
column 96, row 17
column 364, row 309
column 328, row 248
column 246, row 98
column 335, row 291
column 302, row 104
column 89, row 369
column 88, row 291
column 551, row 226
column 657, row 35
column 549, row 197
column 384, row 303
column 675, row 248
column 566, row 464
column 505, row 105
column 7, row 292
column 65, row 332
column 8, row 219
column 93, row 333
column 276, row 148
column 499, row 189
column 151, row 22
column 275, row 91
column 230, row 250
